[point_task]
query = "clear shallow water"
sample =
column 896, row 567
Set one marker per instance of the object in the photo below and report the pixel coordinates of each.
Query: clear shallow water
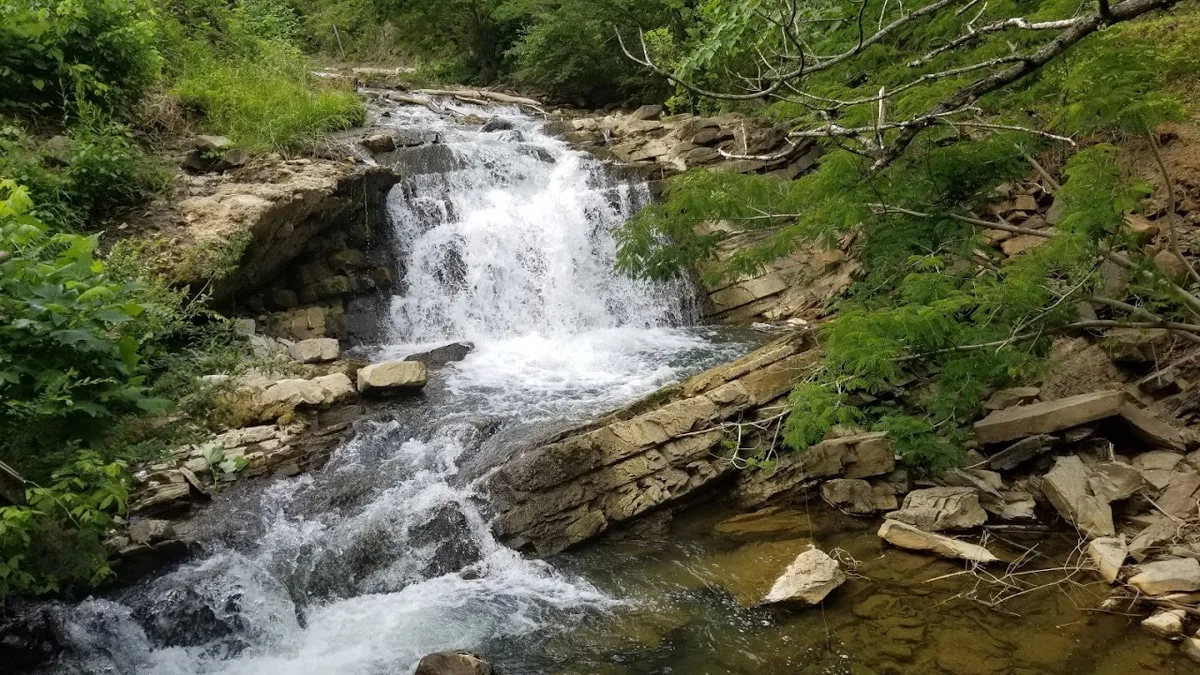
column 386, row 555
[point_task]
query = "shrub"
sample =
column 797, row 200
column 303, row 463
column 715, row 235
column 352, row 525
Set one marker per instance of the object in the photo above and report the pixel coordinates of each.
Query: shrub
column 54, row 52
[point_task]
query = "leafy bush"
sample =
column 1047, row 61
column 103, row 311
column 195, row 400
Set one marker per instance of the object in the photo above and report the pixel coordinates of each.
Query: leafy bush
column 269, row 102
column 56, row 538
column 55, row 52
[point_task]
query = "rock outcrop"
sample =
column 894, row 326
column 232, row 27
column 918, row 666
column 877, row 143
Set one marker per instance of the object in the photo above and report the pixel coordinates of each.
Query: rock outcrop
column 856, row 456
column 579, row 483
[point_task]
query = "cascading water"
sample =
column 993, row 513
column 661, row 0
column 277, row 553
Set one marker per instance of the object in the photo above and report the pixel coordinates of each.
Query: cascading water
column 504, row 239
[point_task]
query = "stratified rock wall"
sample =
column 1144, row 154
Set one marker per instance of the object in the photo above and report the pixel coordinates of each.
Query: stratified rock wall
column 648, row 454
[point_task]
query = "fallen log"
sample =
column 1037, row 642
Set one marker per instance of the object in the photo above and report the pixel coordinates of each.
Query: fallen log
column 480, row 94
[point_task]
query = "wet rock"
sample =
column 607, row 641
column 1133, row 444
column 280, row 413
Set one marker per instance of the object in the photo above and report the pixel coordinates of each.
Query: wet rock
column 454, row 663
column 1167, row 576
column 1066, row 486
column 451, row 353
column 392, row 376
column 498, row 124
column 1165, row 622
column 1007, row 398
column 1108, row 555
column 1150, row 428
column 151, row 531
column 28, row 640
column 422, row 160
column 315, row 350
column 1191, row 648
column 850, row 495
column 379, row 143
column 448, row 533
column 906, row 536
column 811, row 576
column 943, row 508
column 1048, row 417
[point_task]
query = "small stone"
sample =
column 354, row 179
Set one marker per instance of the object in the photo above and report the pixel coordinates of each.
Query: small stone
column 1167, row 576
column 811, row 577
column 1191, row 648
column 1007, row 398
column 1165, row 622
column 151, row 531
column 453, row 663
column 1157, row 466
column 1172, row 267
column 1108, row 555
column 212, row 143
column 1144, row 231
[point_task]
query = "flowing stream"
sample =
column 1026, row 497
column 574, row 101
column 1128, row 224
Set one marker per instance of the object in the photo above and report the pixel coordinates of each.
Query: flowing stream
column 505, row 239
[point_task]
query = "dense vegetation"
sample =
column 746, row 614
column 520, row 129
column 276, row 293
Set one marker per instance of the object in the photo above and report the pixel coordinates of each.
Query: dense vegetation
column 936, row 322
column 96, row 351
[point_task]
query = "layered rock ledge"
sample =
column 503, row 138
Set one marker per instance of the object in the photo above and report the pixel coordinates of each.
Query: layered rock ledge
column 656, row 451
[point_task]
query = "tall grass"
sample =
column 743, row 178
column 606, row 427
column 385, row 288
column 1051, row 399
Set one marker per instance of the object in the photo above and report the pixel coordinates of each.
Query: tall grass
column 268, row 102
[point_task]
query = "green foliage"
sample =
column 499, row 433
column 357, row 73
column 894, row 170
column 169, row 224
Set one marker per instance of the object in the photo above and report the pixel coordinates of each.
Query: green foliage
column 71, row 340
column 56, row 52
column 55, row 538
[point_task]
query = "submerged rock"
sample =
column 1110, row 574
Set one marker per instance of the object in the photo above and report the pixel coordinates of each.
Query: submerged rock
column 454, row 663
column 1165, row 622
column 811, row 576
column 904, row 535
column 775, row 520
column 1108, row 555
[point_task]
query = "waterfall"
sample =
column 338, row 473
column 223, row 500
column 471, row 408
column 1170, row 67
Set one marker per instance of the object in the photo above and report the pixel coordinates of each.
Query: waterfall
column 504, row 238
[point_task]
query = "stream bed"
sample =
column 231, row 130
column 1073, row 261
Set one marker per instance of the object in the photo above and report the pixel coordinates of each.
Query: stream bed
column 384, row 555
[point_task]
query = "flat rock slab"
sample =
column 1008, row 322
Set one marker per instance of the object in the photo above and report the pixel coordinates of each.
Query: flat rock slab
column 1178, row 575
column 906, row 536
column 1150, row 428
column 392, row 375
column 1048, row 417
column 1068, row 489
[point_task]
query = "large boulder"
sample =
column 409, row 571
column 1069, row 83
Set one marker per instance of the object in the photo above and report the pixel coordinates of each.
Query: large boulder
column 453, row 663
column 906, row 536
column 941, row 508
column 1048, row 417
column 392, row 376
column 317, row 392
column 811, row 576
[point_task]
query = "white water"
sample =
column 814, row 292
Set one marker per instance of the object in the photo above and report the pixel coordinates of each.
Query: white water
column 386, row 555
